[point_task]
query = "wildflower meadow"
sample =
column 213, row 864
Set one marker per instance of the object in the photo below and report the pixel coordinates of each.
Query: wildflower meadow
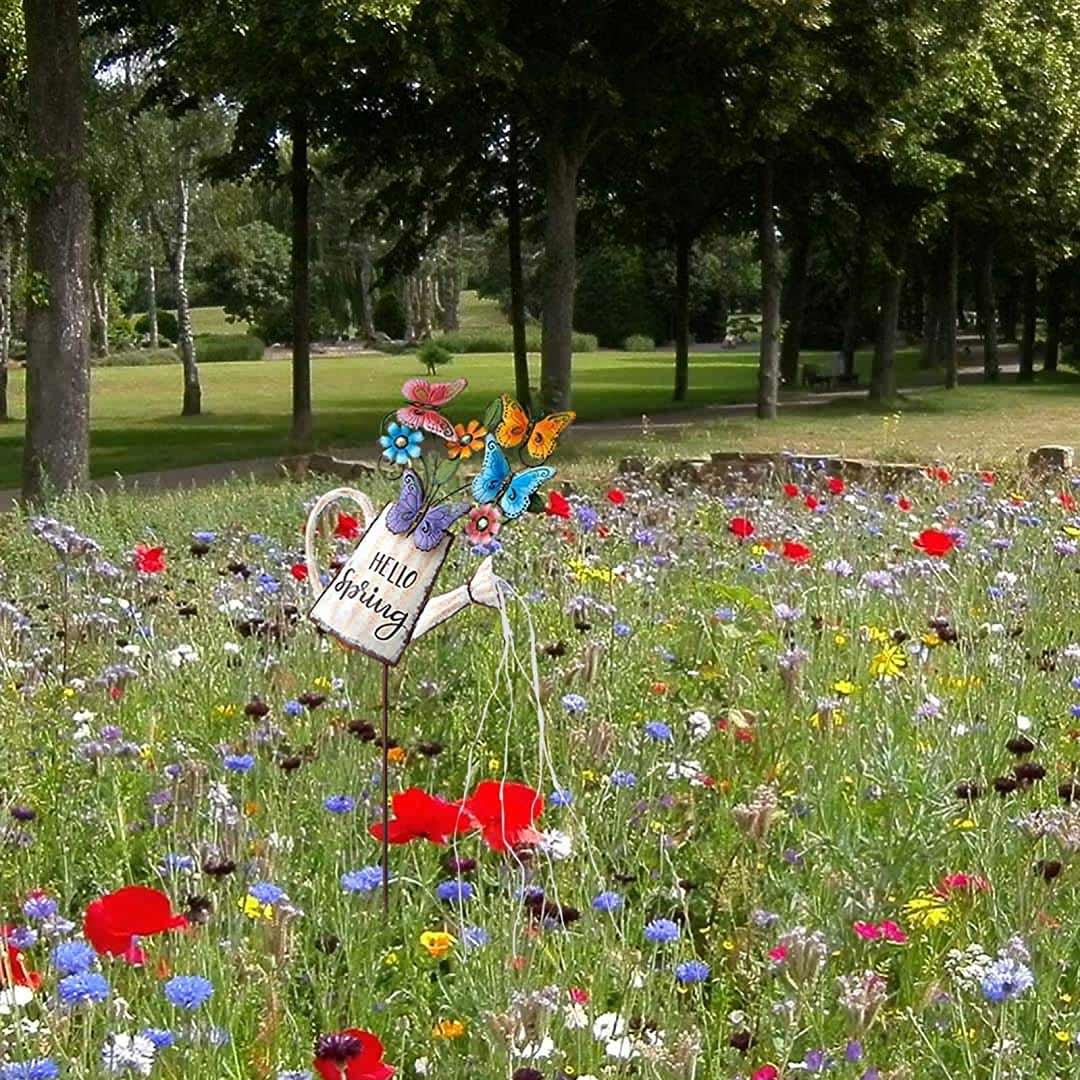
column 747, row 784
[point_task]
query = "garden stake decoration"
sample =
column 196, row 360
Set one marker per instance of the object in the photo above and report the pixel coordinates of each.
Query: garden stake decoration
column 380, row 599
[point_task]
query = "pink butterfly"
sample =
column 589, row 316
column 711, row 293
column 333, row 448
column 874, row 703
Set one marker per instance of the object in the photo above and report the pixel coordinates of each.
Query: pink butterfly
column 425, row 399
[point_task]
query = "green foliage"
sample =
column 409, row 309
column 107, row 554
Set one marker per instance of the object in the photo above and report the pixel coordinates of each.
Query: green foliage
column 227, row 348
column 496, row 341
column 639, row 343
column 248, row 275
column 615, row 297
column 433, row 355
column 389, row 316
column 168, row 327
column 123, row 331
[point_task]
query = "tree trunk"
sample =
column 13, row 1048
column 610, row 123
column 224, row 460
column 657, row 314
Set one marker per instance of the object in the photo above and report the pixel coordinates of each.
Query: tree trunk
column 99, row 334
column 408, row 304
column 933, row 310
column 56, row 449
column 1030, row 306
column 560, row 277
column 517, row 276
column 427, row 303
column 300, row 180
column 883, row 373
column 192, row 404
column 367, row 274
column 7, row 254
column 682, row 314
column 794, row 306
column 984, row 299
column 769, row 247
column 949, row 304
column 151, row 302
column 853, row 309
column 1055, row 287
column 1010, row 310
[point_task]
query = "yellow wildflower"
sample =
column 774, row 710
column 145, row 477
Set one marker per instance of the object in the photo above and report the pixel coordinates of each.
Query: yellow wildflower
column 926, row 911
column 888, row 663
column 437, row 942
column 254, row 908
column 448, row 1029
column 843, row 687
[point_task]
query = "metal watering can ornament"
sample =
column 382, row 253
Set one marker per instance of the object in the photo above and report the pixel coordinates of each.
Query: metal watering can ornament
column 380, row 600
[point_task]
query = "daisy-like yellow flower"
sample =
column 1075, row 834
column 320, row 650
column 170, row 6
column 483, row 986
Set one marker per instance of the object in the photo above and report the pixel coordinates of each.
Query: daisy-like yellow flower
column 396, row 755
column 931, row 639
column 926, row 911
column 255, row 909
column 888, row 663
column 583, row 572
column 437, row 942
column 839, row 639
column 843, row 687
column 448, row 1029
column 964, row 823
column 877, row 634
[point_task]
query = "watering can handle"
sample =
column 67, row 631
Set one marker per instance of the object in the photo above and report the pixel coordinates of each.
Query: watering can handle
column 367, row 512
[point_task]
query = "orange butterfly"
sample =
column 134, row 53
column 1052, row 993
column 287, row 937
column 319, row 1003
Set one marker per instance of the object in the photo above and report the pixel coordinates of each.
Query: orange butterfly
column 514, row 428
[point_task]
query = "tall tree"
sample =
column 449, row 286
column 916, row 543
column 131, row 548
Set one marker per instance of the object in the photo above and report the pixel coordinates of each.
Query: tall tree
column 56, row 450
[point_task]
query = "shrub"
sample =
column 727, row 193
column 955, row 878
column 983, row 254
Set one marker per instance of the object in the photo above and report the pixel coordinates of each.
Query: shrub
column 122, row 332
column 639, row 343
column 615, row 297
column 389, row 316
column 167, row 325
column 227, row 348
column 434, row 355
column 137, row 358
column 500, row 341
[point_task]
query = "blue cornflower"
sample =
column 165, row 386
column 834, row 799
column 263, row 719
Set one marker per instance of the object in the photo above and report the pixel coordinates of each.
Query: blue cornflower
column 39, row 906
column 623, row 630
column 339, row 804
column 162, row 1038
column 561, row 797
column 240, row 763
column 853, row 1051
column 267, row 583
column 474, row 937
column 266, row 892
column 366, row 880
column 661, row 931
column 34, row 1069
column 176, row 864
column 204, row 536
column 453, row 892
column 620, row 778
column 574, row 704
column 1006, row 979
column 188, row 991
column 658, row 731
column 587, row 518
column 22, row 937
column 294, row 1074
column 218, row 1036
column 692, row 971
column 400, row 444
column 1074, row 711
column 83, row 987
column 292, row 708
column 607, row 901
column 73, row 957
column 724, row 615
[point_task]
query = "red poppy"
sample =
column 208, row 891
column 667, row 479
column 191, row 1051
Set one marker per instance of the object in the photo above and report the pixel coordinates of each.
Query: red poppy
column 114, row 921
column 149, row 560
column 796, row 552
column 505, row 811
column 811, row 502
column 961, row 882
column 299, row 571
column 943, row 476
column 14, row 972
column 418, row 815
column 904, row 503
column 987, row 478
column 616, row 497
column 934, row 542
column 791, row 490
column 1067, row 501
column 557, row 505
column 741, row 527
column 347, row 527
column 351, row 1054
column 836, row 485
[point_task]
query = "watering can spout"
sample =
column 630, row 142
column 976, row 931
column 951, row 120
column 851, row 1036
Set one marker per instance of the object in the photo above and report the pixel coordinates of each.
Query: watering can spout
column 482, row 589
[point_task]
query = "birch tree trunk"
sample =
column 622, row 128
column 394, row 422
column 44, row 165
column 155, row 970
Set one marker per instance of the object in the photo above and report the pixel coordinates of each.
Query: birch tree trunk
column 7, row 248
column 192, row 403
column 300, row 433
column 408, row 293
column 56, row 448
column 367, row 308
column 151, row 301
column 769, row 357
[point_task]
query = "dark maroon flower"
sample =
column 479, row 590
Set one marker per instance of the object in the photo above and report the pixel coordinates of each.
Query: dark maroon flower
column 1020, row 745
column 338, row 1048
column 258, row 708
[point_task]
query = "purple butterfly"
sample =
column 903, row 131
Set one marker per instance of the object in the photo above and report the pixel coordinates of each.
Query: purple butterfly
column 436, row 521
column 401, row 517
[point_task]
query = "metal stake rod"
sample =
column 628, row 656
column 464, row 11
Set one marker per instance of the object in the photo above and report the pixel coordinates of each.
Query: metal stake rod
column 386, row 790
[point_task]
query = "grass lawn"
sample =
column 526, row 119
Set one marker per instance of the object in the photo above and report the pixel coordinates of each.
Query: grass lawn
column 136, row 426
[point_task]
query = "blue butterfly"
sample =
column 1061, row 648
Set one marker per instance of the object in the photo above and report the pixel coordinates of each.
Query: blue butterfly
column 496, row 478
column 433, row 526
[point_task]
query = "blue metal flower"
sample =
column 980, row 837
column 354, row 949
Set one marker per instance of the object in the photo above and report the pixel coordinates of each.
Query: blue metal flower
column 400, row 444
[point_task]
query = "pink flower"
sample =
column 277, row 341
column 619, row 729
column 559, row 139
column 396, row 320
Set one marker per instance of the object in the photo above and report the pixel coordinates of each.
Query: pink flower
column 778, row 954
column 766, row 1072
column 886, row 930
column 483, row 524
column 867, row 931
